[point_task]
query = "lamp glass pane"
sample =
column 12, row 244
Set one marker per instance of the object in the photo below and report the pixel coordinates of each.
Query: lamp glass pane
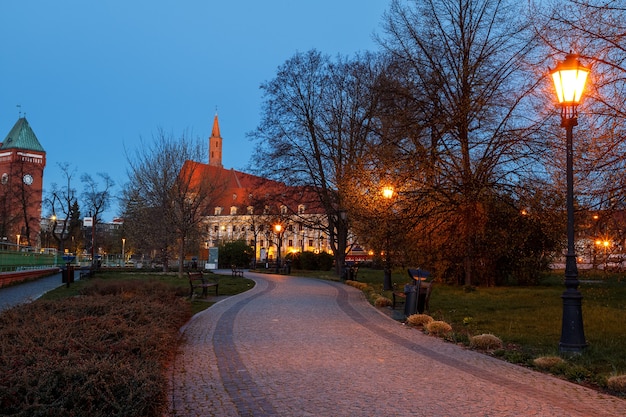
column 570, row 84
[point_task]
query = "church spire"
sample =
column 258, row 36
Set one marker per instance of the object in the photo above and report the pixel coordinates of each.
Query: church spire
column 215, row 145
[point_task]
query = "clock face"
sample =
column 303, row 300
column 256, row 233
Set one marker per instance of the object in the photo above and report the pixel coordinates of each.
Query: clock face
column 28, row 179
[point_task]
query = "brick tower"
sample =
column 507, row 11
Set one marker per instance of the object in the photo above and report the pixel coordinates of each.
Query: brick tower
column 215, row 145
column 22, row 161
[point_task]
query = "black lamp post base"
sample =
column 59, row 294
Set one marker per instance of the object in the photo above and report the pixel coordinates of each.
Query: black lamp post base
column 387, row 286
column 572, row 331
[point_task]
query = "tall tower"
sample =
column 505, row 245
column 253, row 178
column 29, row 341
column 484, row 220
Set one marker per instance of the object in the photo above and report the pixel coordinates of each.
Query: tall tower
column 22, row 161
column 215, row 145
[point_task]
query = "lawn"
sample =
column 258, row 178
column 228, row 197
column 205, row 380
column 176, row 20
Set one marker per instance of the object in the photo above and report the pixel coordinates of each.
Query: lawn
column 528, row 320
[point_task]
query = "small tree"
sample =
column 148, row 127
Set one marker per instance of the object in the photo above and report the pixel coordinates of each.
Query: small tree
column 237, row 253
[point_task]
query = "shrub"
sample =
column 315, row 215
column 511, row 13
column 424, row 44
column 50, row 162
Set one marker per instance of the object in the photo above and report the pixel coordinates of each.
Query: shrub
column 96, row 355
column 356, row 284
column 419, row 320
column 438, row 328
column 617, row 383
column 548, row 362
column 382, row 301
column 485, row 342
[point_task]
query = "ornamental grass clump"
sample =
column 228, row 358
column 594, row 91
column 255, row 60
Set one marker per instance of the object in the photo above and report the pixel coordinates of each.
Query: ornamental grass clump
column 485, row 342
column 419, row 320
column 381, row 301
column 617, row 383
column 548, row 362
column 438, row 328
column 356, row 284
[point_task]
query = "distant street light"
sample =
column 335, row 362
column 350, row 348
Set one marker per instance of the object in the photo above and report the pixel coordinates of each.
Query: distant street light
column 278, row 229
column 18, row 242
column 388, row 193
column 123, row 248
column 569, row 79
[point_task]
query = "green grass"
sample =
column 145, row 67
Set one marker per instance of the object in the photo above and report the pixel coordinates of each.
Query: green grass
column 528, row 320
column 228, row 285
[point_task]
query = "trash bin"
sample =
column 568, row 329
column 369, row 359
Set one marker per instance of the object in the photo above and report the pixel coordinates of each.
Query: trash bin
column 345, row 273
column 410, row 305
column 67, row 275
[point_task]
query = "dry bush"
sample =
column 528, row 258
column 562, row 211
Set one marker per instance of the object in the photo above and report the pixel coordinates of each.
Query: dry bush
column 438, row 328
column 548, row 362
column 485, row 342
column 356, row 284
column 95, row 355
column 617, row 383
column 382, row 301
column 419, row 320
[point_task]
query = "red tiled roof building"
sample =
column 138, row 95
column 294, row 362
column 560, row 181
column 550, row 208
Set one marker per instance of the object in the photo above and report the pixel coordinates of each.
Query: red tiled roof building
column 249, row 206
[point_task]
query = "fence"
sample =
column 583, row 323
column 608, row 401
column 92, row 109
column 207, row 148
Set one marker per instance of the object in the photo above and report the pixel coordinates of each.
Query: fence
column 12, row 261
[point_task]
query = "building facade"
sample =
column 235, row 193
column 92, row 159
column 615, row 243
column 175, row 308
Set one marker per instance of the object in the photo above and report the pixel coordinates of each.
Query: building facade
column 22, row 163
column 249, row 208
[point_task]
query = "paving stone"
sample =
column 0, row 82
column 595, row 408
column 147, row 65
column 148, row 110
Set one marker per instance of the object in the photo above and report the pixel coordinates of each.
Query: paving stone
column 304, row 347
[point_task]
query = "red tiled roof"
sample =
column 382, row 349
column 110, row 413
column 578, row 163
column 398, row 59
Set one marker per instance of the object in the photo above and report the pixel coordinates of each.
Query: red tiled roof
column 243, row 190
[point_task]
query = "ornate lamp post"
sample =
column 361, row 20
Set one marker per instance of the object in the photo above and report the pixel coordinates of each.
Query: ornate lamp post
column 569, row 78
column 278, row 229
column 123, row 250
column 388, row 193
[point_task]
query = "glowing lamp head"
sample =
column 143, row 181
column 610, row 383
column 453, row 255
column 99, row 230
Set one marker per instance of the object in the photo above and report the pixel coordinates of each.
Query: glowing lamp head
column 388, row 192
column 570, row 77
column 278, row 228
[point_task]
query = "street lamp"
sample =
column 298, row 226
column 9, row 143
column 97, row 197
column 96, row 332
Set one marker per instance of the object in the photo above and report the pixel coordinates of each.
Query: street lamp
column 388, row 193
column 278, row 228
column 123, row 248
column 18, row 242
column 569, row 79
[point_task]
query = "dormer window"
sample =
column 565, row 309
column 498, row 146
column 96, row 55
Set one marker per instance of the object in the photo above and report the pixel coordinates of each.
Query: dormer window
column 233, row 210
column 283, row 209
column 218, row 211
column 250, row 210
column 301, row 209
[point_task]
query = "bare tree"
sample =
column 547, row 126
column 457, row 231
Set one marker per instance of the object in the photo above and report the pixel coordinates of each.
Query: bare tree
column 62, row 204
column 166, row 197
column 462, row 90
column 317, row 118
column 96, row 198
column 595, row 30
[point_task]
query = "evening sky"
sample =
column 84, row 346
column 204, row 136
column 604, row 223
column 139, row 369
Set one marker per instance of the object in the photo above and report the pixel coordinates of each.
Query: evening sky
column 95, row 78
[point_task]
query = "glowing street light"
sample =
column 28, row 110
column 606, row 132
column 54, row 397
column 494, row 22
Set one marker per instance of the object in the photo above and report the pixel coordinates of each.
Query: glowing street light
column 278, row 229
column 388, row 193
column 569, row 79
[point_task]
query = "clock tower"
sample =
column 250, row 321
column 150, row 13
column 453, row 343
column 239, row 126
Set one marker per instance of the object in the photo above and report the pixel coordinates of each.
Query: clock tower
column 22, row 161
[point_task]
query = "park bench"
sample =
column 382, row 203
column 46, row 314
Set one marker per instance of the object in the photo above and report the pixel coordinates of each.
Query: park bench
column 86, row 273
column 198, row 280
column 237, row 272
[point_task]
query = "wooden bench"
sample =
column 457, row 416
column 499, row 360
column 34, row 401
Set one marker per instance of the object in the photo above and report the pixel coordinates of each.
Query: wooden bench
column 198, row 280
column 236, row 271
column 397, row 296
column 88, row 273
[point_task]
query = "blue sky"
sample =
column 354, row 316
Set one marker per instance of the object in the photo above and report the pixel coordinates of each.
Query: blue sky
column 94, row 77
